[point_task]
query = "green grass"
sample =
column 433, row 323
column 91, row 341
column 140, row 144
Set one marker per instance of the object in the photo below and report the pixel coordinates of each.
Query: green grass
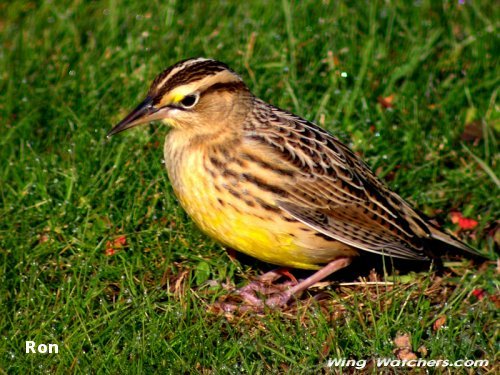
column 69, row 70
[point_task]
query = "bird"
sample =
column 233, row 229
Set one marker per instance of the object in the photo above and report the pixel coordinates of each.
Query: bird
column 270, row 184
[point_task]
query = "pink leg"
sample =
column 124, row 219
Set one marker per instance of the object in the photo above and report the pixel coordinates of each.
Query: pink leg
column 330, row 268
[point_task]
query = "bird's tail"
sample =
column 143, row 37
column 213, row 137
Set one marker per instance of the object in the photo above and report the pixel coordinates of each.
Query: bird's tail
column 453, row 247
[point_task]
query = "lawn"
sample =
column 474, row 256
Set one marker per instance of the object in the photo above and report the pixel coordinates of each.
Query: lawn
column 97, row 256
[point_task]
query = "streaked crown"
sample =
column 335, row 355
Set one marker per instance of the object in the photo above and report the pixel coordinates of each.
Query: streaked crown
column 193, row 75
column 193, row 93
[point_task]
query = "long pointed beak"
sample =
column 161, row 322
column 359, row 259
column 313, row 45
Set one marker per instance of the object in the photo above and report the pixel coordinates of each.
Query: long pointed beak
column 143, row 113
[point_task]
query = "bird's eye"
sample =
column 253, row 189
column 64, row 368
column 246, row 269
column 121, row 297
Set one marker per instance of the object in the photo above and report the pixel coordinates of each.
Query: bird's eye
column 189, row 101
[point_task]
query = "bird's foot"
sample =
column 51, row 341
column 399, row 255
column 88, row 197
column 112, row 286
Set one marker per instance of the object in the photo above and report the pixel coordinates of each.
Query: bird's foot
column 262, row 292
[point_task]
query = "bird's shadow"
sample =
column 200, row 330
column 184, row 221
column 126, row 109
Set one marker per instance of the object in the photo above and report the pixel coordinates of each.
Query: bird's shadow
column 361, row 267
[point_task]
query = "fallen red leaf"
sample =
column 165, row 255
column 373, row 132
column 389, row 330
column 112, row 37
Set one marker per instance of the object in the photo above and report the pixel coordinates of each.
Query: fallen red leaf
column 463, row 222
column 439, row 322
column 387, row 101
column 121, row 241
column 466, row 223
column 113, row 246
column 479, row 293
column 109, row 251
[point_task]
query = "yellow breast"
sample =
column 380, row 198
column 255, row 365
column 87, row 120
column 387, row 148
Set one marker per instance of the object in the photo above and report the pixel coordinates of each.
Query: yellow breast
column 240, row 216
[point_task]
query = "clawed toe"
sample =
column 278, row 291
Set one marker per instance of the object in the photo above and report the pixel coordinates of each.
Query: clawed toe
column 256, row 295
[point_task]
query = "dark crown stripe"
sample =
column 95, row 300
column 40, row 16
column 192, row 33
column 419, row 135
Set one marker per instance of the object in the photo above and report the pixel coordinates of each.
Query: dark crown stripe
column 191, row 70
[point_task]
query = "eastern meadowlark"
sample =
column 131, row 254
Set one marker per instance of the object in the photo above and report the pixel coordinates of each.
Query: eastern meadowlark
column 272, row 185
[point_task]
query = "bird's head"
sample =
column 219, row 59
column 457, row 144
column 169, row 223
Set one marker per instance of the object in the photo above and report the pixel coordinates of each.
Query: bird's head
column 198, row 95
